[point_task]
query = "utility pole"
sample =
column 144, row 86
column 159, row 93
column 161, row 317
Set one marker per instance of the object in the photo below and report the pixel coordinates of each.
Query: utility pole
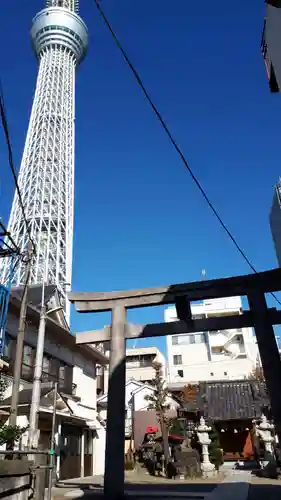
column 53, row 444
column 36, row 388
column 33, row 432
column 20, row 339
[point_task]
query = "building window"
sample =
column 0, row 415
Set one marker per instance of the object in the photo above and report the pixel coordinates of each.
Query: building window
column 225, row 373
column 180, row 373
column 212, row 374
column 187, row 339
column 62, row 376
column 55, row 370
column 177, row 359
column 139, row 361
column 45, row 368
column 198, row 316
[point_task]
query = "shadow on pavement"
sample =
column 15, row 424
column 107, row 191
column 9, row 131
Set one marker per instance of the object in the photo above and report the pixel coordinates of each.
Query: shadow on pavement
column 261, row 490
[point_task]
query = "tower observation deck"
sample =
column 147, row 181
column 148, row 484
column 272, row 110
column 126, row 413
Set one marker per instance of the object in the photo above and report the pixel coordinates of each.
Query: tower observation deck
column 46, row 176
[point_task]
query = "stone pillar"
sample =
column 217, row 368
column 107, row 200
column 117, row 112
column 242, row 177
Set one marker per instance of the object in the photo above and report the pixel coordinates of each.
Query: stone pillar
column 93, row 438
column 57, row 441
column 265, row 432
column 82, row 463
column 203, row 430
column 115, row 429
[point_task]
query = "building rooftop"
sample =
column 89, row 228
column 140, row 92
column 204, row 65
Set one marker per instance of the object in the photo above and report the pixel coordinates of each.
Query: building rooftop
column 230, row 400
column 56, row 326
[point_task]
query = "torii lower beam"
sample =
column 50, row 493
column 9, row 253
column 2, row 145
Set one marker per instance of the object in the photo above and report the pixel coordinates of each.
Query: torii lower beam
column 133, row 331
column 253, row 286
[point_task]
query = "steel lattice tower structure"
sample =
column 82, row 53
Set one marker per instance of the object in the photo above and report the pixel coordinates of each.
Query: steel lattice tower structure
column 46, row 177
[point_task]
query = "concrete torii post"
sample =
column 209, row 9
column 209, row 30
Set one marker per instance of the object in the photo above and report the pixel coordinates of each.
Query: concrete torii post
column 253, row 286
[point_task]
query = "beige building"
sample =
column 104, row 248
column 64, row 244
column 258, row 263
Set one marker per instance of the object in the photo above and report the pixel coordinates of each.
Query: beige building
column 80, row 437
column 139, row 365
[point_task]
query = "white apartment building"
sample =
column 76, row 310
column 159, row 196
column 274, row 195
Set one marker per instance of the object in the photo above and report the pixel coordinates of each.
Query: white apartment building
column 139, row 364
column 214, row 355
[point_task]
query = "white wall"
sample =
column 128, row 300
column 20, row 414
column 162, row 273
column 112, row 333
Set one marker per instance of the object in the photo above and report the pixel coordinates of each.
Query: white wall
column 99, row 443
column 142, row 373
column 215, row 370
column 86, row 384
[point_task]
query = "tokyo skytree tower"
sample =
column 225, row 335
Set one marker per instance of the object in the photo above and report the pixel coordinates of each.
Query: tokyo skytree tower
column 46, row 177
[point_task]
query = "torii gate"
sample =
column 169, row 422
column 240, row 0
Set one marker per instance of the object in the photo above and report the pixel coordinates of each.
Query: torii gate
column 253, row 286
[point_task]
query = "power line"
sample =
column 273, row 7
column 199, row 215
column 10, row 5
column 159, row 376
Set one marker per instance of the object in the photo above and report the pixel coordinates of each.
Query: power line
column 7, row 235
column 174, row 143
column 11, row 161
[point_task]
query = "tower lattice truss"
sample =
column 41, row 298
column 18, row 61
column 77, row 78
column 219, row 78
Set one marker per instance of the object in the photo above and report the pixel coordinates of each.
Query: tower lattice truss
column 46, row 176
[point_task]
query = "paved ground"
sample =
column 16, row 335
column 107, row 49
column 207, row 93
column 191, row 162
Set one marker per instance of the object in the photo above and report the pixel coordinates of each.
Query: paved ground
column 264, row 489
column 140, row 485
column 234, row 486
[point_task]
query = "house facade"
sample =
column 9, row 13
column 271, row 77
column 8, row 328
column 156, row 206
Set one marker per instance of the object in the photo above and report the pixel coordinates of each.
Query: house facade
column 80, row 437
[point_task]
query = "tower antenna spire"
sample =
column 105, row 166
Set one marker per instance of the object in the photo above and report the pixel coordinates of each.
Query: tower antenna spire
column 72, row 5
column 46, row 176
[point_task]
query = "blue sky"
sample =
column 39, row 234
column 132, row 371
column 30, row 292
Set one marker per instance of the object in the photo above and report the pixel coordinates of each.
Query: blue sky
column 139, row 220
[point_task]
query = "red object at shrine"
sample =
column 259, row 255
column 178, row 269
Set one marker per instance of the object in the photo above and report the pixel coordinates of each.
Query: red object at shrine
column 151, row 430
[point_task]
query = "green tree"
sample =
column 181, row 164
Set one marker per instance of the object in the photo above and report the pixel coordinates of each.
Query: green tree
column 158, row 402
column 177, row 427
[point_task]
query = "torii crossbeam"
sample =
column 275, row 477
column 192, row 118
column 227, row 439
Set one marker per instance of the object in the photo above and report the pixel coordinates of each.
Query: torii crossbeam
column 253, row 286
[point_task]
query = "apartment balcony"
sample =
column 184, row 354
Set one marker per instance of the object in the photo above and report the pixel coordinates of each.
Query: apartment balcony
column 221, row 338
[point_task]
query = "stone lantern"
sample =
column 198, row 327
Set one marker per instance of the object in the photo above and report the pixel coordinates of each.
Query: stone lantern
column 265, row 432
column 203, row 437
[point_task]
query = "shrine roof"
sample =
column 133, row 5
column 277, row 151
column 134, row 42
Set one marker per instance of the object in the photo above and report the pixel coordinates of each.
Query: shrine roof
column 230, row 400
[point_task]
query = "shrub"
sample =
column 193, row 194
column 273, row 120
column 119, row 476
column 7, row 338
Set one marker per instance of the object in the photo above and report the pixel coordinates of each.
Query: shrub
column 129, row 464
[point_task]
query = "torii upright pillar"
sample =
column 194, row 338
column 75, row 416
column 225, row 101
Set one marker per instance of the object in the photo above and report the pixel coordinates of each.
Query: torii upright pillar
column 115, row 430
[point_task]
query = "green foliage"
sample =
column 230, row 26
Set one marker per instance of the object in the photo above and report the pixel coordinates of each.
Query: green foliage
column 4, row 384
column 216, row 455
column 158, row 402
column 158, row 399
column 177, row 427
column 10, row 433
column 129, row 462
